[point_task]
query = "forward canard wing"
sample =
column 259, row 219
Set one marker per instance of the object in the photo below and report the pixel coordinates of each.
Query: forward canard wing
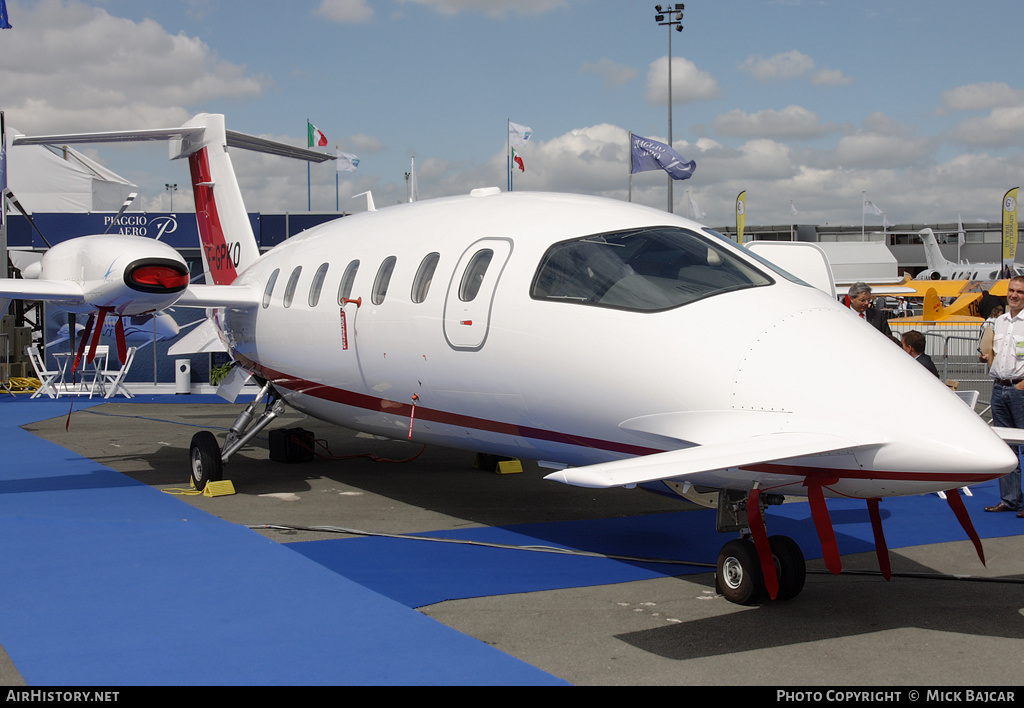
column 723, row 439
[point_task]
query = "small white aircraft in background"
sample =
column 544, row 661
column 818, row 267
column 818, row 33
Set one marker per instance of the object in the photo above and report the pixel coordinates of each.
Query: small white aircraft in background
column 138, row 331
column 616, row 344
column 941, row 269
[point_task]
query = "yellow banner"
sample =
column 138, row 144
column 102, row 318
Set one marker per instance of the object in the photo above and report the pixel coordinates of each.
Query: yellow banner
column 1010, row 227
column 741, row 215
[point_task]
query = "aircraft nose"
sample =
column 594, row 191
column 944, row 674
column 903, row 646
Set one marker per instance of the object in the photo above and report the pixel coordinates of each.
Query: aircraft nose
column 829, row 365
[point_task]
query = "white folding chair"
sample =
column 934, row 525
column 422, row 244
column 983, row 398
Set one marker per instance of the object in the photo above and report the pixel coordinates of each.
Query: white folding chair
column 98, row 366
column 45, row 376
column 969, row 397
column 113, row 379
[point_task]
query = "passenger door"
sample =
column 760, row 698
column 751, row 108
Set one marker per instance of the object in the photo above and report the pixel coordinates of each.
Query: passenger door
column 467, row 307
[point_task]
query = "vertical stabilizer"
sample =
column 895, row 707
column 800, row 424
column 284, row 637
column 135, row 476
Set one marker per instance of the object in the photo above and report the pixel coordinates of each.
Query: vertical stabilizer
column 933, row 256
column 228, row 243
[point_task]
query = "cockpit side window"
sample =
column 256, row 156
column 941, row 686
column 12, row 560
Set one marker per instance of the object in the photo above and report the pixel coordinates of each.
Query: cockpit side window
column 646, row 270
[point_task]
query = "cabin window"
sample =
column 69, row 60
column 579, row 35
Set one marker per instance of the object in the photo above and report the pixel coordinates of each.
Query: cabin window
column 648, row 269
column 289, row 289
column 383, row 279
column 347, row 280
column 473, row 278
column 424, row 276
column 317, row 285
column 268, row 291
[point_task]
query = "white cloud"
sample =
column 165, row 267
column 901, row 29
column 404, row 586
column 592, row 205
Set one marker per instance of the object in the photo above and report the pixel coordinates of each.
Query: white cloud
column 346, row 12
column 792, row 122
column 830, row 77
column 108, row 72
column 613, row 73
column 492, row 8
column 791, row 65
column 787, row 65
column 984, row 96
column 1003, row 127
column 689, row 84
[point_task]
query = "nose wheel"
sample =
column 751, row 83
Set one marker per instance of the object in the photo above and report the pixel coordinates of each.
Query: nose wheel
column 739, row 577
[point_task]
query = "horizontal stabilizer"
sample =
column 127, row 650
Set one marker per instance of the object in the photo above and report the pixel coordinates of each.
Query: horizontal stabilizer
column 190, row 136
column 219, row 296
column 201, row 340
column 703, row 458
column 116, row 136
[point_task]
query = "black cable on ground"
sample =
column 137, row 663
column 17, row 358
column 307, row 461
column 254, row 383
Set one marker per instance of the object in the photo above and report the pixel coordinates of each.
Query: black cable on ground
column 630, row 559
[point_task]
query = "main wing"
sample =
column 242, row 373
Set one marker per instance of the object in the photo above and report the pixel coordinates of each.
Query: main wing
column 65, row 292
column 240, row 296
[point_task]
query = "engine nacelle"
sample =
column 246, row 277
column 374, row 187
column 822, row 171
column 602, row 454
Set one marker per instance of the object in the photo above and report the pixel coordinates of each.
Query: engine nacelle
column 130, row 274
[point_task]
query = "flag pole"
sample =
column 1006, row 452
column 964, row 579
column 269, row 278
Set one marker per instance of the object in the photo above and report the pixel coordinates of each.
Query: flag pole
column 309, row 190
column 508, row 154
column 863, row 208
column 629, row 157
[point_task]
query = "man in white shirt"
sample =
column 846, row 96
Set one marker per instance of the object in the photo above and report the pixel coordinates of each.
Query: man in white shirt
column 1007, row 372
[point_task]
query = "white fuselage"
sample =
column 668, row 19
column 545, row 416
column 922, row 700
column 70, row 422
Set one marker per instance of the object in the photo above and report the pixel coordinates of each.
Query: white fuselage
column 553, row 380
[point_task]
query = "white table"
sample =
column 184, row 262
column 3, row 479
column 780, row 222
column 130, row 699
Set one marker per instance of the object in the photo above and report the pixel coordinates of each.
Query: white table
column 89, row 373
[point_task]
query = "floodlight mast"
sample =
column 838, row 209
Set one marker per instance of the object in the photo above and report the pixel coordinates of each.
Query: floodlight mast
column 670, row 17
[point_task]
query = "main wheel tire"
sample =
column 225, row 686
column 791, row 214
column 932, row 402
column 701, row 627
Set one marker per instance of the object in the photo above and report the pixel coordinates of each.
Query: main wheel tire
column 789, row 566
column 204, row 454
column 739, row 576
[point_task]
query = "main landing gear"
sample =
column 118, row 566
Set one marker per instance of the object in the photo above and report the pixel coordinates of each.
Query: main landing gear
column 740, row 573
column 207, row 458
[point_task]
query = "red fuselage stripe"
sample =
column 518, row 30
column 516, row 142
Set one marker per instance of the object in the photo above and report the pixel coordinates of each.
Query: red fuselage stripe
column 405, row 410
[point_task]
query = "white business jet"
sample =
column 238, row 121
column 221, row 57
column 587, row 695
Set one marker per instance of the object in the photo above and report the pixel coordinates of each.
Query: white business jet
column 941, row 269
column 616, row 344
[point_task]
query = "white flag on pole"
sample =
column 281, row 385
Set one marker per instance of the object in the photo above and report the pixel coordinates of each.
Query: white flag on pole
column 518, row 135
column 695, row 211
column 346, row 162
column 870, row 208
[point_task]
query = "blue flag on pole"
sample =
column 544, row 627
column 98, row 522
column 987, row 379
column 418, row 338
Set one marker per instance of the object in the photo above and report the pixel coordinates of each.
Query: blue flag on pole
column 649, row 154
column 4, row 24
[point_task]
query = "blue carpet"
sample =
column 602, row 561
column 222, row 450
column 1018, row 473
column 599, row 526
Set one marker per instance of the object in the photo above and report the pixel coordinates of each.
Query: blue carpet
column 107, row 581
column 420, row 573
column 110, row 582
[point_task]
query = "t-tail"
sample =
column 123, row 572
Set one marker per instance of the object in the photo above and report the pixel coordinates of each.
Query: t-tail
column 933, row 256
column 228, row 243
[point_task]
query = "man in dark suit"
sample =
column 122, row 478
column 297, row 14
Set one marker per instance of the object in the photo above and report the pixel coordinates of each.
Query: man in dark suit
column 859, row 300
column 913, row 344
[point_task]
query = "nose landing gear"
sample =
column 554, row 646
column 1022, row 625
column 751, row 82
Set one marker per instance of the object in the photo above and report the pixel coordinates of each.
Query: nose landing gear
column 739, row 576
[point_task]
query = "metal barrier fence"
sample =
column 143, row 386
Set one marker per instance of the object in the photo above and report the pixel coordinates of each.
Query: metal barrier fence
column 954, row 349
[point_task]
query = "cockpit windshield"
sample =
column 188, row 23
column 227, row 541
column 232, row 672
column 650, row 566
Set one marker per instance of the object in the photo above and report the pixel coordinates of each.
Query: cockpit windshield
column 648, row 269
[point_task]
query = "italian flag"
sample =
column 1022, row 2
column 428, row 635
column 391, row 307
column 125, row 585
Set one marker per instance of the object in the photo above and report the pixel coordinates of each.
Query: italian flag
column 316, row 137
column 518, row 160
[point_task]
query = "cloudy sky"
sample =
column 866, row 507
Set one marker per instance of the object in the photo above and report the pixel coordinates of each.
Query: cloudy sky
column 919, row 105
